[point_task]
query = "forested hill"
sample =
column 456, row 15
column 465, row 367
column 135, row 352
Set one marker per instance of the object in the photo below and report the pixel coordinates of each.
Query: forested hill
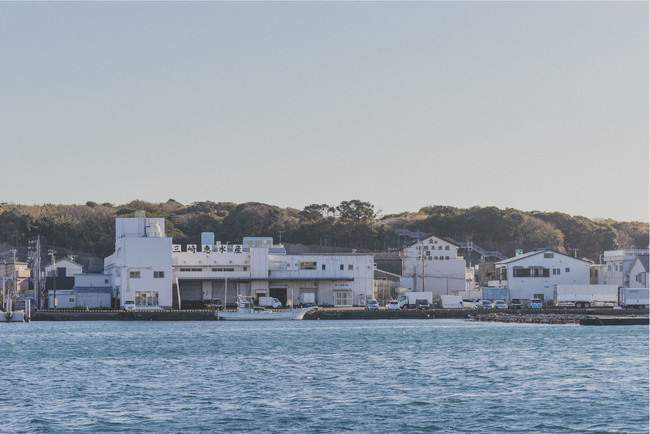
column 90, row 228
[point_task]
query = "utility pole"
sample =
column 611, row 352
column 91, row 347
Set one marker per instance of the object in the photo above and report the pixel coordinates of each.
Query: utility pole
column 51, row 252
column 37, row 290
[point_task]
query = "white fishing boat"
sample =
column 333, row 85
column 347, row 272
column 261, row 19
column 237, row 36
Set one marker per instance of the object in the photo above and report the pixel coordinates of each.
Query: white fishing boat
column 7, row 314
column 246, row 311
column 12, row 316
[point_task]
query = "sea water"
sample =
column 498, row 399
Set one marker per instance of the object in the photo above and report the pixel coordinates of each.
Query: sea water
column 322, row 376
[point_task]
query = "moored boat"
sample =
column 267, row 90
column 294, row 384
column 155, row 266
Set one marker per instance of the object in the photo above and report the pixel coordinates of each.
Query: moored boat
column 246, row 311
column 12, row 316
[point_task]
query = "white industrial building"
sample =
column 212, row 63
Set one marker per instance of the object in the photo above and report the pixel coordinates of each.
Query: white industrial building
column 432, row 264
column 89, row 291
column 147, row 270
column 533, row 274
column 93, row 290
column 257, row 268
column 141, row 266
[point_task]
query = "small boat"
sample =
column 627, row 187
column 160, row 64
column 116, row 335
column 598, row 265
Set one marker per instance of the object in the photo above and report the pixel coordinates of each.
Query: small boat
column 246, row 311
column 13, row 316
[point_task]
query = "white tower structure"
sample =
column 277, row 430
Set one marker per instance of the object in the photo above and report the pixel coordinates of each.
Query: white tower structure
column 141, row 265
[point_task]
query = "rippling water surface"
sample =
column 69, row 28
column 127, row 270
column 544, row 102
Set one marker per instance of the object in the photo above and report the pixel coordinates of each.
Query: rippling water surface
column 323, row 376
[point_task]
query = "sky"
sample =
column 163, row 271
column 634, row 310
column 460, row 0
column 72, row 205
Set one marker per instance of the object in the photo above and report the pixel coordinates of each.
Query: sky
column 527, row 105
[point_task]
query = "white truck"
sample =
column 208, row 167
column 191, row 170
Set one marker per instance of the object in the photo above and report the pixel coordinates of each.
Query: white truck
column 410, row 299
column 308, row 299
column 634, row 297
column 271, row 302
column 451, row 301
column 581, row 296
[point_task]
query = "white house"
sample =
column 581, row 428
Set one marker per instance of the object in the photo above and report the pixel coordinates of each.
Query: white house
column 257, row 268
column 638, row 273
column 141, row 266
column 71, row 268
column 432, row 264
column 533, row 274
column 618, row 264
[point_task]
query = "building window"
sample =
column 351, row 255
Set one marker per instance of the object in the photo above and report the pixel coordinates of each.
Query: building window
column 158, row 274
column 134, row 274
column 566, row 270
column 446, row 258
column 106, row 281
column 439, row 247
column 323, row 267
column 341, row 266
column 350, row 267
column 308, row 265
column 530, row 272
column 446, row 247
column 548, row 255
column 146, row 298
column 245, row 268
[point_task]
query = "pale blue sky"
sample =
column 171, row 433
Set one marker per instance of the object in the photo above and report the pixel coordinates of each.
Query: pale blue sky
column 535, row 106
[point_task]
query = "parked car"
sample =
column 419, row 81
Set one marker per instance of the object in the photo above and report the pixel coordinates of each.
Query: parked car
column 484, row 304
column 516, row 303
column 422, row 304
column 372, row 305
column 500, row 304
column 470, row 303
column 535, row 303
column 215, row 304
column 393, row 304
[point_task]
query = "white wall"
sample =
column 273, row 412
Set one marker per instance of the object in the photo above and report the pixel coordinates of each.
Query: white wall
column 638, row 275
column 137, row 253
column 526, row 287
column 444, row 270
column 71, row 268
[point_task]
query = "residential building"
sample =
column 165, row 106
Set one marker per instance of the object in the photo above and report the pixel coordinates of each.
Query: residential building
column 16, row 277
column 59, row 278
column 638, row 273
column 618, row 264
column 432, row 264
column 64, row 267
column 533, row 274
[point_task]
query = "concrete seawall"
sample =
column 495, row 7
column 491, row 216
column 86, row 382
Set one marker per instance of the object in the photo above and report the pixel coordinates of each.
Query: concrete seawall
column 330, row 314
column 122, row 315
